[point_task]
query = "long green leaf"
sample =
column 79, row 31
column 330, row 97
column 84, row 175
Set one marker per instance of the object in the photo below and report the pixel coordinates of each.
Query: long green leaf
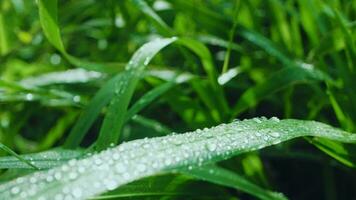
column 84, row 178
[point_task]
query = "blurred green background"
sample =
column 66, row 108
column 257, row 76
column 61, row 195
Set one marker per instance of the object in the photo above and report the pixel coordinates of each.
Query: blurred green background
column 285, row 58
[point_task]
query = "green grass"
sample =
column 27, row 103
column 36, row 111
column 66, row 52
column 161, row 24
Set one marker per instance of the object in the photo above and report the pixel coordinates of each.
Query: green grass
column 95, row 98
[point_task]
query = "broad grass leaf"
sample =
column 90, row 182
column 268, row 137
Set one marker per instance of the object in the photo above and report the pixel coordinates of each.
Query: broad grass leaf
column 112, row 168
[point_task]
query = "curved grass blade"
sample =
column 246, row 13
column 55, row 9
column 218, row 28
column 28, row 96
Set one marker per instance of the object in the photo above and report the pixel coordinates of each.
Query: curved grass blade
column 115, row 117
column 279, row 80
column 84, row 178
column 146, row 9
column 48, row 17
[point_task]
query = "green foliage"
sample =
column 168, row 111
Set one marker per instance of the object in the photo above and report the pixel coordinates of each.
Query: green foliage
column 89, row 98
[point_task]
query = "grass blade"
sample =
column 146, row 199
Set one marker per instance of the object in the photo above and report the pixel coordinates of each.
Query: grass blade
column 42, row 160
column 48, row 12
column 148, row 98
column 48, row 17
column 221, row 176
column 115, row 117
column 16, row 157
column 81, row 179
column 118, row 92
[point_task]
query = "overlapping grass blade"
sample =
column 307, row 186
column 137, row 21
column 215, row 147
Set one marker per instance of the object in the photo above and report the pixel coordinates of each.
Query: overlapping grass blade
column 215, row 103
column 16, row 157
column 84, row 178
column 118, row 91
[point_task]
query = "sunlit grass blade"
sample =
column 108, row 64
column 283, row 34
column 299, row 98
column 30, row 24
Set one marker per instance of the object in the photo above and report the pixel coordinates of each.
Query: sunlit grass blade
column 84, row 178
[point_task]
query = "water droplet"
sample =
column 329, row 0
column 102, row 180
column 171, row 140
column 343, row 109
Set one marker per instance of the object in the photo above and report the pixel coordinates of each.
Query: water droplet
column 211, row 146
column 33, row 180
column 57, row 175
column 76, row 98
column 275, row 119
column 120, row 168
column 73, row 175
column 77, row 192
column 257, row 120
column 49, row 179
column 15, row 190
column 110, row 184
column 29, row 97
column 147, row 60
column 141, row 167
column 274, row 134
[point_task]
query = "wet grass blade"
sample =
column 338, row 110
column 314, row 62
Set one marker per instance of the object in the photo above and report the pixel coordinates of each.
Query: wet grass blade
column 115, row 116
column 84, row 178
